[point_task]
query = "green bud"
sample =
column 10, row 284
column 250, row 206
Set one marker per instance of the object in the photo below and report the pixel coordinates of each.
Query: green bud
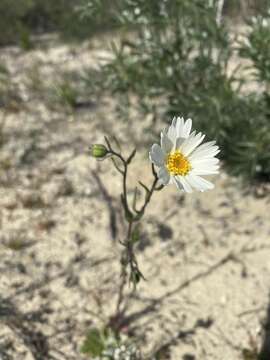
column 98, row 151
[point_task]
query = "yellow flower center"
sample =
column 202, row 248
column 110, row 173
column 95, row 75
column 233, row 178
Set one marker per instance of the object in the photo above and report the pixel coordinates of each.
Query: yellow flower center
column 177, row 163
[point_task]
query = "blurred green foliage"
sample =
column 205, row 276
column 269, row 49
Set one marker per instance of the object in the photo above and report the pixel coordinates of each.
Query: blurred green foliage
column 66, row 94
column 22, row 18
column 244, row 8
column 176, row 63
column 9, row 97
column 257, row 46
column 12, row 11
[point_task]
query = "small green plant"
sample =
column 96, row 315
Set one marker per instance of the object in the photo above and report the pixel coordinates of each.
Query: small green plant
column 66, row 94
column 106, row 345
column 71, row 89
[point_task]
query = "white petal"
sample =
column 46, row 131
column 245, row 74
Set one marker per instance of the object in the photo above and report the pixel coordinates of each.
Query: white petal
column 204, row 166
column 157, row 155
column 177, row 183
column 172, row 132
column 179, row 126
column 205, row 171
column 205, row 162
column 191, row 143
column 166, row 143
column 207, row 145
column 201, row 184
column 193, row 181
column 163, row 175
column 178, row 142
column 211, row 168
column 185, row 184
column 174, row 121
column 187, row 128
column 204, row 153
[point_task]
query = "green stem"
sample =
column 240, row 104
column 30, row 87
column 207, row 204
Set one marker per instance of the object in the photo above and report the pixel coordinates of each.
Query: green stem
column 128, row 256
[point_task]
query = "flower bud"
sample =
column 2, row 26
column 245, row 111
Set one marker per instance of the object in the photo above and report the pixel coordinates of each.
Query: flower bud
column 98, row 151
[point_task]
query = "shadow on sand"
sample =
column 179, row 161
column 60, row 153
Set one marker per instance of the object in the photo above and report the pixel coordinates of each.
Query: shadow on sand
column 265, row 350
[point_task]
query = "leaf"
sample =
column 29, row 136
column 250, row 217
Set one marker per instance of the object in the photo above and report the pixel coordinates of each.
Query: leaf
column 131, row 156
column 135, row 278
column 93, row 344
column 135, row 237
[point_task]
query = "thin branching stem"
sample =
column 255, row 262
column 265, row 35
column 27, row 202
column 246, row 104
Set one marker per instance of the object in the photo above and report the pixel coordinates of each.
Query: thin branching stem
column 129, row 262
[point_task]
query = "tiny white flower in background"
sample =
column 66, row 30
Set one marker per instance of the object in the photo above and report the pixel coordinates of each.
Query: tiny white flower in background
column 182, row 160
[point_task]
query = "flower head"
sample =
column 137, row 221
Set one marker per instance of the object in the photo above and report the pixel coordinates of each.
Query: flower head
column 181, row 159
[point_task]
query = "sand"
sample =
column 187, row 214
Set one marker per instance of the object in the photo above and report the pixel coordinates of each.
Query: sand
column 205, row 256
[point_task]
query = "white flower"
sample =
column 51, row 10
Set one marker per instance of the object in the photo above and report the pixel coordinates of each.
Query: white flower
column 181, row 160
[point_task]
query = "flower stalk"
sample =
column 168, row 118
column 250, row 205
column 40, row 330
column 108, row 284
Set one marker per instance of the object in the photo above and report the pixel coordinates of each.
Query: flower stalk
column 132, row 215
column 180, row 159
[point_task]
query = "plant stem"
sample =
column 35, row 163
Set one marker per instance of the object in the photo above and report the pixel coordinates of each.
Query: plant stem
column 150, row 193
column 128, row 256
column 123, row 272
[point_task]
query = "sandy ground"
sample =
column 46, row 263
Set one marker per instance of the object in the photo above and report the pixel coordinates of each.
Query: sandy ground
column 205, row 256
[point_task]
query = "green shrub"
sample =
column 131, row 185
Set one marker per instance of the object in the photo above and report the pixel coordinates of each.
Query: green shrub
column 22, row 18
column 176, row 62
column 11, row 24
column 256, row 47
